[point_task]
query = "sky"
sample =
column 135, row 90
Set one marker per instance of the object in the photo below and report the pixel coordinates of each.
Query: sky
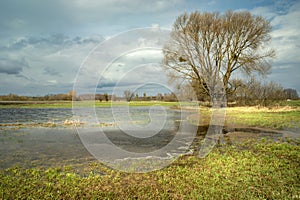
column 54, row 46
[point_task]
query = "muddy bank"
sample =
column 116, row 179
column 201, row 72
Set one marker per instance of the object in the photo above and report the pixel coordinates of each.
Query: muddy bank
column 234, row 135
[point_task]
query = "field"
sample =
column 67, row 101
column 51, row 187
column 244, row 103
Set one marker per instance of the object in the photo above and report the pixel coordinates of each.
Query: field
column 252, row 169
column 260, row 170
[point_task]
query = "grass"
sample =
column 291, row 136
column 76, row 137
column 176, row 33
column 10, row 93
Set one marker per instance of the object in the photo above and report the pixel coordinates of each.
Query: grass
column 291, row 103
column 276, row 118
column 252, row 170
column 285, row 117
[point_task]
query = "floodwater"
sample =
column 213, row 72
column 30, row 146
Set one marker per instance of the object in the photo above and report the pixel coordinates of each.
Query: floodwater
column 117, row 134
column 26, row 139
column 27, row 147
column 34, row 115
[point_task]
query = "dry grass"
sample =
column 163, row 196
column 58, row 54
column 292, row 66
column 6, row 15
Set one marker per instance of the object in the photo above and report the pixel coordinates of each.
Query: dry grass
column 284, row 117
column 255, row 109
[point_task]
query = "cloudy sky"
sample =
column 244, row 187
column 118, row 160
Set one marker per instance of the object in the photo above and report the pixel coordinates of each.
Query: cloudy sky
column 46, row 46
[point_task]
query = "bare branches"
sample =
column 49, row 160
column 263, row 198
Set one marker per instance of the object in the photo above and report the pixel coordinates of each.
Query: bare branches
column 209, row 47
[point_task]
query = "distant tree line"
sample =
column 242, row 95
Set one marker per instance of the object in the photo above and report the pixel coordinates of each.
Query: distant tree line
column 254, row 92
column 49, row 97
column 71, row 95
column 131, row 96
column 249, row 92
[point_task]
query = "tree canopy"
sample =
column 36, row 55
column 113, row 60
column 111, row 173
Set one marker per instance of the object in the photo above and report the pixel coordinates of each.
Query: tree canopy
column 207, row 48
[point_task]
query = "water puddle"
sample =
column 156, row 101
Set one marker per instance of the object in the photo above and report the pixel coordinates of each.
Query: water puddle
column 241, row 134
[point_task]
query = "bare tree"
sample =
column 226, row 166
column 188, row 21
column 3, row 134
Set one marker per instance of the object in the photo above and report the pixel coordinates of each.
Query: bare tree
column 105, row 95
column 159, row 97
column 206, row 48
column 255, row 92
column 291, row 93
column 128, row 95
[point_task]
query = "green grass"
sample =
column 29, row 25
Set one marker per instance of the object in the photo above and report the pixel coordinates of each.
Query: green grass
column 295, row 103
column 253, row 170
column 276, row 118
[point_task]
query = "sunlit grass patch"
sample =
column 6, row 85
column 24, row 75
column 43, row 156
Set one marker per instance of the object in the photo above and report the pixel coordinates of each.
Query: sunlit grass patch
column 281, row 118
column 276, row 118
column 252, row 170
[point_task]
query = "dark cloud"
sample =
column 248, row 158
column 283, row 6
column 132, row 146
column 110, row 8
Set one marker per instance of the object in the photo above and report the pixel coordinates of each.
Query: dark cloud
column 59, row 40
column 137, row 88
column 51, row 71
column 18, row 44
column 287, row 76
column 104, row 83
column 10, row 66
column 81, row 16
column 25, row 77
column 52, row 58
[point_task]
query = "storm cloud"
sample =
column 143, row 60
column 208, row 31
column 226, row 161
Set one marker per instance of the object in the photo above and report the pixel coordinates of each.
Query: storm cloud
column 12, row 66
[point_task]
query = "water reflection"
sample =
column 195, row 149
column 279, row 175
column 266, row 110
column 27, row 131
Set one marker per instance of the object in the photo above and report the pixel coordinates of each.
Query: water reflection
column 34, row 115
column 40, row 147
column 61, row 145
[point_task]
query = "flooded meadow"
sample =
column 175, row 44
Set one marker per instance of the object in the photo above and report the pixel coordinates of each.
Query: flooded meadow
column 54, row 137
column 59, row 136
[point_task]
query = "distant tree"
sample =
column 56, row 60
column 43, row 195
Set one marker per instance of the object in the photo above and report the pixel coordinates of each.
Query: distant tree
column 72, row 94
column 113, row 97
column 170, row 97
column 159, row 97
column 97, row 97
column 128, row 95
column 185, row 92
column 105, row 95
column 13, row 97
column 291, row 94
column 253, row 92
column 207, row 48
